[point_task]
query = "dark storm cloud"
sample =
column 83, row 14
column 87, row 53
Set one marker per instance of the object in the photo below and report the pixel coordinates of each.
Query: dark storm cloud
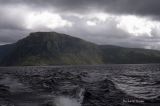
column 140, row 7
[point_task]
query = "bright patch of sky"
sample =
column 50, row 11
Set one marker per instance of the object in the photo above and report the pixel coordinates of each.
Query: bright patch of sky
column 46, row 19
column 137, row 26
column 91, row 23
column 134, row 25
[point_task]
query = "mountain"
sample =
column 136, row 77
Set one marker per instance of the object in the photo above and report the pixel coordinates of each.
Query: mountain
column 5, row 50
column 51, row 48
column 121, row 55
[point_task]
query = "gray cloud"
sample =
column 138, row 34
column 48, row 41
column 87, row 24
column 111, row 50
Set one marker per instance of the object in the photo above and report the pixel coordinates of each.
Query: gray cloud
column 12, row 25
column 108, row 33
column 141, row 7
column 10, row 36
column 10, row 21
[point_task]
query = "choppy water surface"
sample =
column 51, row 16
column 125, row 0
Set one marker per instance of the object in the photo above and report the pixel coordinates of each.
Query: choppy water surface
column 66, row 85
column 142, row 81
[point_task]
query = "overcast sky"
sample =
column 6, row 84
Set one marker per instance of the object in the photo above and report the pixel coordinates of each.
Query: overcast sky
column 129, row 23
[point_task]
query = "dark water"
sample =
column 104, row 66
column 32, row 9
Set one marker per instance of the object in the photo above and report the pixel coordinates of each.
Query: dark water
column 66, row 85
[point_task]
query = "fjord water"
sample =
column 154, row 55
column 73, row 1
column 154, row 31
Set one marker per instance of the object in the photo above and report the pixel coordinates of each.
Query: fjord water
column 65, row 85
column 141, row 81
